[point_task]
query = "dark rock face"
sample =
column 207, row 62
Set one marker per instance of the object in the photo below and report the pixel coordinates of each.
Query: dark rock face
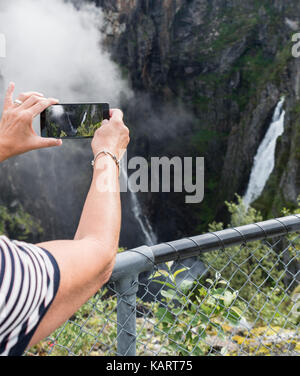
column 50, row 185
column 228, row 62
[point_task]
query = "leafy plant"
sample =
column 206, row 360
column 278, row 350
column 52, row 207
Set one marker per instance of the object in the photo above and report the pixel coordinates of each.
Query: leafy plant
column 53, row 130
column 86, row 130
column 236, row 263
column 190, row 312
column 63, row 134
column 294, row 248
column 88, row 332
column 17, row 224
column 256, row 270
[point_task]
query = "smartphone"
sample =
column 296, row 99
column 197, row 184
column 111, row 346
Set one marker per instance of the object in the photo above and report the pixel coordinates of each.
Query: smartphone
column 73, row 120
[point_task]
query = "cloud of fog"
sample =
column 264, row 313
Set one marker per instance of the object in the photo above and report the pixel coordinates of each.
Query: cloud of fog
column 55, row 48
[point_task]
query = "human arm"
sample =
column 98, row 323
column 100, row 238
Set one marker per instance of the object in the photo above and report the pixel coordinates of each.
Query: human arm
column 86, row 262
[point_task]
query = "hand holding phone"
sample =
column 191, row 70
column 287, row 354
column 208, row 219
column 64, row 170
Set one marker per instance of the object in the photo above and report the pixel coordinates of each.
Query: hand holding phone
column 113, row 136
column 79, row 120
column 17, row 135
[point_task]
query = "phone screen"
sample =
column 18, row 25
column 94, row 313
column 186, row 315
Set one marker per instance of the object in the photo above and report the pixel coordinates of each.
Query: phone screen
column 73, row 120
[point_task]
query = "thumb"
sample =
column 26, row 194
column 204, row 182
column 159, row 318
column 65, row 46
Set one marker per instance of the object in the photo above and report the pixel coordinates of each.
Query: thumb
column 48, row 142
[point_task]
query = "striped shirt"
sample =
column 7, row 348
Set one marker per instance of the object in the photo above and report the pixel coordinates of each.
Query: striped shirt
column 29, row 280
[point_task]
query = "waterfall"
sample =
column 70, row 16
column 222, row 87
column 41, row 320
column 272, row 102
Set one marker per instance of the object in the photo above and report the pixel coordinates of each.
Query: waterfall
column 140, row 218
column 73, row 130
column 264, row 160
column 84, row 117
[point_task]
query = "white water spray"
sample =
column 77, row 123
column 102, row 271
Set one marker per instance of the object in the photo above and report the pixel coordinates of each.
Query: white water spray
column 141, row 219
column 84, row 117
column 264, row 160
column 55, row 48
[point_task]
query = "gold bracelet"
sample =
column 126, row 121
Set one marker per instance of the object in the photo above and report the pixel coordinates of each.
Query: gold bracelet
column 106, row 152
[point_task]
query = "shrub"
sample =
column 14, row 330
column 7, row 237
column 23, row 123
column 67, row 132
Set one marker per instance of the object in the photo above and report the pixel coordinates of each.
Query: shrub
column 18, row 224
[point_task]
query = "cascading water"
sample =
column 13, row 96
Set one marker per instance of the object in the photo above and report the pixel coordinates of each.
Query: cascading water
column 141, row 219
column 264, row 160
column 84, row 118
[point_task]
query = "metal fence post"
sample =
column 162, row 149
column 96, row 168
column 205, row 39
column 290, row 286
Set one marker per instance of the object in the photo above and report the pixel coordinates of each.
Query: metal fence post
column 128, row 267
column 126, row 315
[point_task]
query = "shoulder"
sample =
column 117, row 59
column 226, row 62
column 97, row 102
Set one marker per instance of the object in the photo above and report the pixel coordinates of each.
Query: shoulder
column 28, row 257
column 4, row 241
column 25, row 252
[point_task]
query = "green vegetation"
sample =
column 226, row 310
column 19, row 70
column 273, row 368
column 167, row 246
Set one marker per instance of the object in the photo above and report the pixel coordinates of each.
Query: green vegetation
column 257, row 267
column 98, row 317
column 202, row 138
column 17, row 224
column 232, row 32
column 53, row 130
column 241, row 306
column 86, row 130
column 190, row 312
column 63, row 134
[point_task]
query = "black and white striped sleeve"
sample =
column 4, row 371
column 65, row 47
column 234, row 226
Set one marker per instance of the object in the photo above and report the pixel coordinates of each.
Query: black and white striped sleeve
column 29, row 280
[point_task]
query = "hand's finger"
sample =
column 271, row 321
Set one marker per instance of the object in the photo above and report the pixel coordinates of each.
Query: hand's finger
column 30, row 102
column 24, row 96
column 117, row 114
column 42, row 143
column 42, row 105
column 8, row 102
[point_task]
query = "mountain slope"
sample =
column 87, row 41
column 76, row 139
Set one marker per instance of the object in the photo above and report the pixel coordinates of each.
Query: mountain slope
column 228, row 63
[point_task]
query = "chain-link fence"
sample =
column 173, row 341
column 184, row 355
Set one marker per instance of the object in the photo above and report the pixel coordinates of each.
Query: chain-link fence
column 231, row 292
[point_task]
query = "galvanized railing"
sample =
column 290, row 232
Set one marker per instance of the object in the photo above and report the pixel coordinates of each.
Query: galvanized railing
column 229, row 292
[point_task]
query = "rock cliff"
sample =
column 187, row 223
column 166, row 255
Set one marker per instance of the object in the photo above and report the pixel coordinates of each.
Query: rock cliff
column 227, row 63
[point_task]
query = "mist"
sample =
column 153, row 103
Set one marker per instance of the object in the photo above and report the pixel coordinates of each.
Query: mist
column 54, row 47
